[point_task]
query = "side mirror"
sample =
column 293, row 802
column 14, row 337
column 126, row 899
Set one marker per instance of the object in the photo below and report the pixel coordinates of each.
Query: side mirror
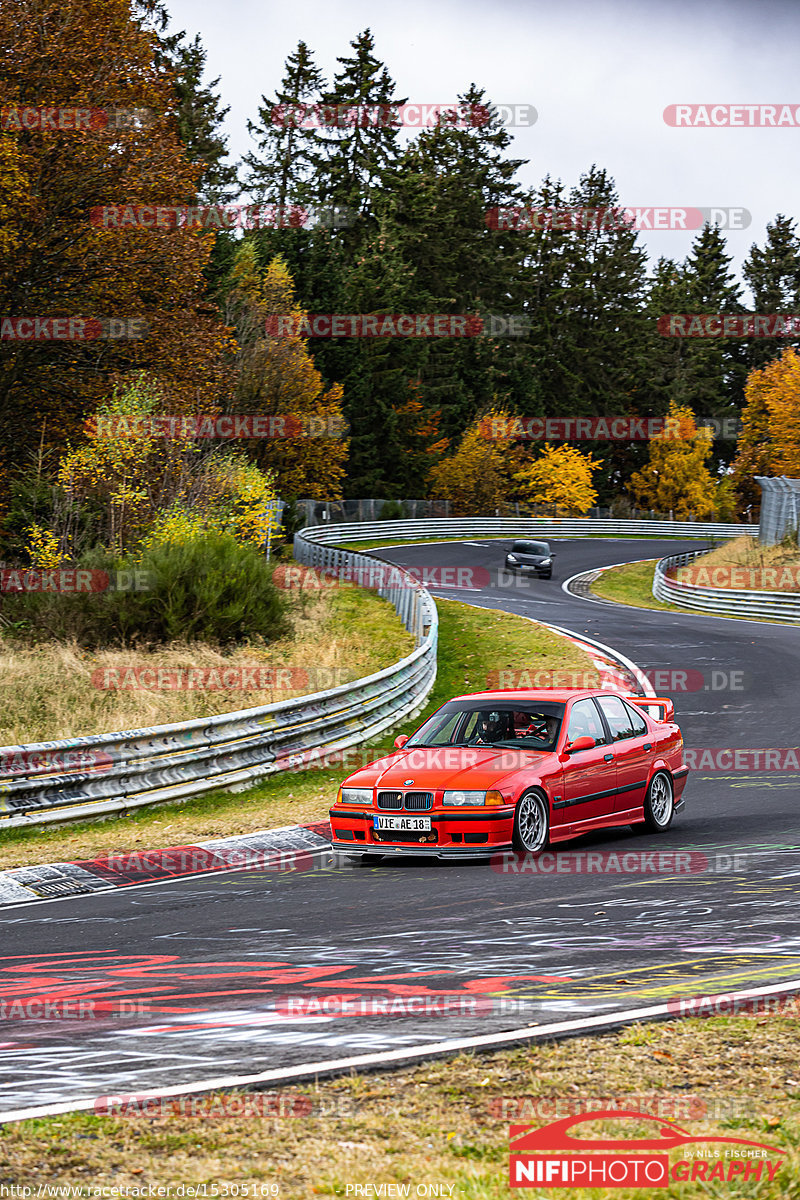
column 553, row 554
column 401, row 741
column 581, row 743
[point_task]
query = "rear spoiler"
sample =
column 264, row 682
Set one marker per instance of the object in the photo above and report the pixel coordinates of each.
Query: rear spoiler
column 648, row 702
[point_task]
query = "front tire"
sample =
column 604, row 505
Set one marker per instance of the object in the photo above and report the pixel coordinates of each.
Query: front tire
column 531, row 823
column 659, row 803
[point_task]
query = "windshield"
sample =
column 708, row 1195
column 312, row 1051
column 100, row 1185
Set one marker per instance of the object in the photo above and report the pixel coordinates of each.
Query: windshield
column 525, row 727
column 530, row 548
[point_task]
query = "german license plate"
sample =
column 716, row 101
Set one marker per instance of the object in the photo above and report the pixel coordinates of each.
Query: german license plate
column 405, row 824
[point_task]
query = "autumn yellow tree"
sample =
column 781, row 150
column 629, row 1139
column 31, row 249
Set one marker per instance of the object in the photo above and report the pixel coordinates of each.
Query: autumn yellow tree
column 276, row 375
column 146, row 489
column 676, row 477
column 560, row 475
column 16, row 197
column 476, row 478
column 226, row 494
column 769, row 443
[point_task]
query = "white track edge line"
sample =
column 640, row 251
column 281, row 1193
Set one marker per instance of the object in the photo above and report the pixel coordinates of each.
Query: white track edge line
column 607, row 1021
column 637, row 672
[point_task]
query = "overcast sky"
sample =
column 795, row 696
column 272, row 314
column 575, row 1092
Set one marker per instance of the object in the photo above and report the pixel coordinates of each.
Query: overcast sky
column 599, row 74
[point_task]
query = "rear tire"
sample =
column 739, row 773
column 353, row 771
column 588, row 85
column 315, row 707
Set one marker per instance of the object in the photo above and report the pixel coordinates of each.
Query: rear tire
column 531, row 823
column 659, row 803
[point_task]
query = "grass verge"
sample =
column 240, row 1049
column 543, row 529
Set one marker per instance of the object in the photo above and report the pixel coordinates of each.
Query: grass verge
column 447, row 1122
column 472, row 643
column 631, row 583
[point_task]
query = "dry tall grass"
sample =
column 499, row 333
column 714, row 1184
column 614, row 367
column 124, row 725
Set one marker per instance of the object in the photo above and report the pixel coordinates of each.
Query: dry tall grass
column 55, row 691
column 745, row 563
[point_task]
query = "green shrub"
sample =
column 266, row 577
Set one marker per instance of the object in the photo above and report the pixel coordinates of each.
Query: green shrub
column 210, row 589
column 391, row 510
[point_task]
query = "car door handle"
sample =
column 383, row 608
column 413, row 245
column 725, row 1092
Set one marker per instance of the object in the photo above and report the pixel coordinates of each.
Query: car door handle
column 608, row 757
column 648, row 746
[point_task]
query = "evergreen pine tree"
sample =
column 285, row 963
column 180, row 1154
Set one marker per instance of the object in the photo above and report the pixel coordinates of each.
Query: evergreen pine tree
column 773, row 274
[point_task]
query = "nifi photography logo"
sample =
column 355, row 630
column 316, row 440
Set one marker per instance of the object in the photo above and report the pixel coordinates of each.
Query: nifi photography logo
column 551, row 1156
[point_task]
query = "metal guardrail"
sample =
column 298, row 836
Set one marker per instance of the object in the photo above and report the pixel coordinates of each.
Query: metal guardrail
column 726, row 602
column 92, row 776
column 512, row 527
column 780, row 508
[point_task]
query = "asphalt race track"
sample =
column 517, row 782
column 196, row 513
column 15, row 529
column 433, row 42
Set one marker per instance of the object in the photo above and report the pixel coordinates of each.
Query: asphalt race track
column 205, row 973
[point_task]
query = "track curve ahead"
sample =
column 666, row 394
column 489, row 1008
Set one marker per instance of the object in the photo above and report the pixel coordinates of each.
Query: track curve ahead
column 203, row 966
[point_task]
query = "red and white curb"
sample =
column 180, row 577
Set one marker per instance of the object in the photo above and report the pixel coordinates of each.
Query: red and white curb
column 291, row 847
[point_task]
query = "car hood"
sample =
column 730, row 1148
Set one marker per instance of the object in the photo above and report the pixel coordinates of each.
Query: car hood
column 428, row 769
column 528, row 558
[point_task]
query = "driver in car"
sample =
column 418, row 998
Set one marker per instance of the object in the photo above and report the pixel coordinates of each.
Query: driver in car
column 490, row 728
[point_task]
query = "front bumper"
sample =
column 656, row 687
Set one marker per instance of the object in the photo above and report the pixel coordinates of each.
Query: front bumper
column 527, row 569
column 450, row 852
column 453, row 834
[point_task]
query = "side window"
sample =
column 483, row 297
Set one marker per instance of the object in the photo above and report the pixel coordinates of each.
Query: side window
column 584, row 721
column 637, row 721
column 618, row 716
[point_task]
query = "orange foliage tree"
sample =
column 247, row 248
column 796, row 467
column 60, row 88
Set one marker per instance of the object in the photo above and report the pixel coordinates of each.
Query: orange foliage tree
column 769, row 443
column 276, row 375
column 93, row 55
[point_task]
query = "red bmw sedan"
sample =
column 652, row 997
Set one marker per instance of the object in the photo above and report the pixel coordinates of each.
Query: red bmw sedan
column 524, row 769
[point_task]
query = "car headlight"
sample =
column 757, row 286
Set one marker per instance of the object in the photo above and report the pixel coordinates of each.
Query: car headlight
column 545, row 562
column 510, row 558
column 464, row 798
column 356, row 795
